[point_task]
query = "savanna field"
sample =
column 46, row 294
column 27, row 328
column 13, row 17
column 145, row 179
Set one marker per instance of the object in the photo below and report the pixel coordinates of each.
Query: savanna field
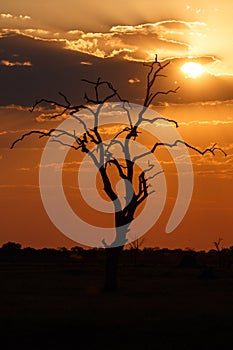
column 57, row 303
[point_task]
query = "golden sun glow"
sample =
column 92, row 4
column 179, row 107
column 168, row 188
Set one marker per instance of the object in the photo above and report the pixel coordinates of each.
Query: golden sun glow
column 192, row 69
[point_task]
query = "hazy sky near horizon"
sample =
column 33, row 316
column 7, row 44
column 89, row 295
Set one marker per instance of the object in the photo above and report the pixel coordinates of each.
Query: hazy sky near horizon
column 49, row 46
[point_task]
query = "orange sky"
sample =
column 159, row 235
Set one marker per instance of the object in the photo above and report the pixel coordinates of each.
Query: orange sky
column 42, row 54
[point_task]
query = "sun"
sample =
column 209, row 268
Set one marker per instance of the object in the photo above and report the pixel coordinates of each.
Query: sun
column 192, row 69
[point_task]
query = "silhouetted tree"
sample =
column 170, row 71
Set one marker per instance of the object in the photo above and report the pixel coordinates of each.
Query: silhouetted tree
column 125, row 168
column 218, row 247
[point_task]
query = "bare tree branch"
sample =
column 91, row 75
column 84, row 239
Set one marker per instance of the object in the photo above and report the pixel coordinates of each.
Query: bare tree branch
column 143, row 188
column 152, row 97
column 154, row 72
column 67, row 107
column 217, row 244
column 159, row 118
column 66, row 144
column 41, row 133
column 98, row 84
column 211, row 149
column 87, row 131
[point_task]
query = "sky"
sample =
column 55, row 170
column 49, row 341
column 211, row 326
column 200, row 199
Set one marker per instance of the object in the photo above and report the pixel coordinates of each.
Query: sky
column 48, row 47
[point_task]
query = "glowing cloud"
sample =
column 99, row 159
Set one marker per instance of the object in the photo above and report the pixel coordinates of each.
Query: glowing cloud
column 169, row 39
column 86, row 63
column 10, row 16
column 14, row 64
column 134, row 80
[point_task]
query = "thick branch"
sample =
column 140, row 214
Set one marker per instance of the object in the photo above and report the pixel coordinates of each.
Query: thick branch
column 119, row 167
column 107, row 184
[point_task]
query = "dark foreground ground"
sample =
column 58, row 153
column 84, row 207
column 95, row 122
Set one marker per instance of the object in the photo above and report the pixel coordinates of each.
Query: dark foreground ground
column 60, row 305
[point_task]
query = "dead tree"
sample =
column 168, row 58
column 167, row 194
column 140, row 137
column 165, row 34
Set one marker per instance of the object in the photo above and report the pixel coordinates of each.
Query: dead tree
column 135, row 246
column 218, row 247
column 125, row 168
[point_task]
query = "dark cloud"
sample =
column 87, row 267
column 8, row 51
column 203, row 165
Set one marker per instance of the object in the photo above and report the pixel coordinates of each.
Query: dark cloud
column 55, row 69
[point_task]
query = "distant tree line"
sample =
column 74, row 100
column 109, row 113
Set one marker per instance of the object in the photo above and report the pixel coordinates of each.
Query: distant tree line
column 132, row 254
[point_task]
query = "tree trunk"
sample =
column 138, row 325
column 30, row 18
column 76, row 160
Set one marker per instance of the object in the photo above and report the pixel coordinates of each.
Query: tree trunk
column 111, row 268
column 113, row 254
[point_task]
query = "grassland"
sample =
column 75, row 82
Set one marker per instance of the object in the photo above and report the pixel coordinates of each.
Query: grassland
column 60, row 305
